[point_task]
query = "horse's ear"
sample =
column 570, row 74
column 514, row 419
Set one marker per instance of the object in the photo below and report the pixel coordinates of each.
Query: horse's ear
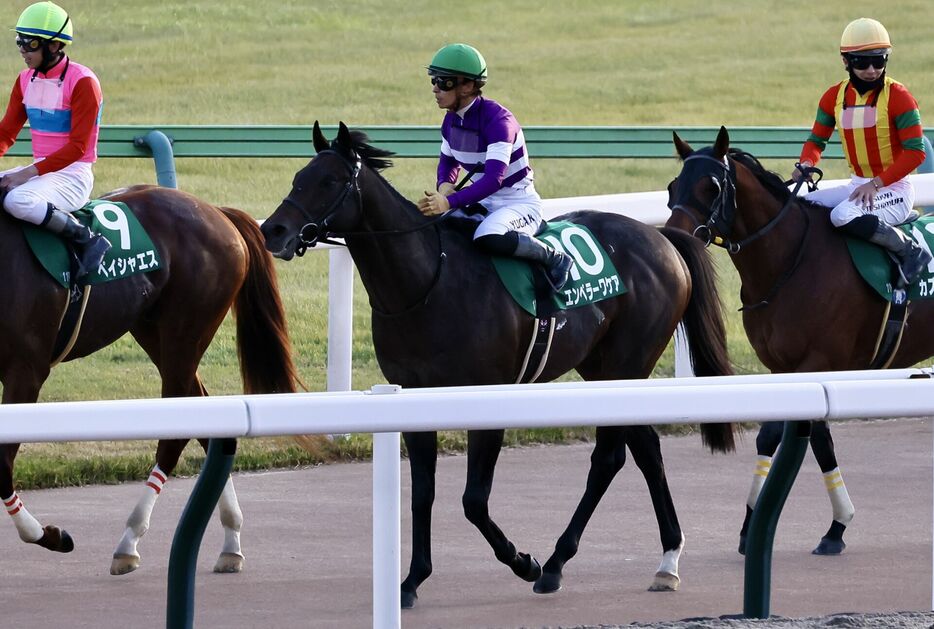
column 343, row 137
column 318, row 139
column 684, row 149
column 722, row 145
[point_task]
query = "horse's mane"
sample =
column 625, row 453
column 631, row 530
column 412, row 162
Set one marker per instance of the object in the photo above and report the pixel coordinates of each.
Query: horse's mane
column 375, row 158
column 770, row 181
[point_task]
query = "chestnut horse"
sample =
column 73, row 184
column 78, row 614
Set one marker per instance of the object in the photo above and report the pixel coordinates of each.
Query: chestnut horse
column 212, row 259
column 805, row 306
column 441, row 317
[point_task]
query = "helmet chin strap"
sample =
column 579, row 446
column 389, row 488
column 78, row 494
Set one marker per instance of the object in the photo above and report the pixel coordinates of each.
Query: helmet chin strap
column 48, row 61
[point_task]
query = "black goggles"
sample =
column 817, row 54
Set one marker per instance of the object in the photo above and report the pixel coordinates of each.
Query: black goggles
column 862, row 62
column 445, row 83
column 29, row 44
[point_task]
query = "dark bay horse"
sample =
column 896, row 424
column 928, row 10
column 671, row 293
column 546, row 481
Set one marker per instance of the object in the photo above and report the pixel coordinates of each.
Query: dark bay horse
column 212, row 259
column 440, row 317
column 805, row 307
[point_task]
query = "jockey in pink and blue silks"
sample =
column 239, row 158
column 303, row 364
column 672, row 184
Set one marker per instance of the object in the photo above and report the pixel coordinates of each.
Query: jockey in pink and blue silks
column 484, row 138
column 62, row 102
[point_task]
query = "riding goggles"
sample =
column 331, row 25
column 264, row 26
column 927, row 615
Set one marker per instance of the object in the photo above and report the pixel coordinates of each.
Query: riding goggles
column 445, row 83
column 860, row 62
column 29, row 44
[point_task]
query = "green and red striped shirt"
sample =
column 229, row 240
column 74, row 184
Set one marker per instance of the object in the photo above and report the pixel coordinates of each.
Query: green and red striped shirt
column 880, row 130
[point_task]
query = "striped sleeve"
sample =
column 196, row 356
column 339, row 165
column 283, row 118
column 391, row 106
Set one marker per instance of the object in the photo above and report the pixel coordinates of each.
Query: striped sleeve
column 822, row 129
column 13, row 120
column 906, row 123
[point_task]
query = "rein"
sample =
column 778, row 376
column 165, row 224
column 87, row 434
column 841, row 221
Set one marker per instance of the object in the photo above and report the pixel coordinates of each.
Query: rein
column 314, row 232
column 726, row 200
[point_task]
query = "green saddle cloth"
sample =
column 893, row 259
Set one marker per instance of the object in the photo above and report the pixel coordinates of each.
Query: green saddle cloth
column 132, row 250
column 593, row 277
column 876, row 266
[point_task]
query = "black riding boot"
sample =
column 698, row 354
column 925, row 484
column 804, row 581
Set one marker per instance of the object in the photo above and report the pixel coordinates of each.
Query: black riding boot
column 912, row 258
column 557, row 263
column 90, row 247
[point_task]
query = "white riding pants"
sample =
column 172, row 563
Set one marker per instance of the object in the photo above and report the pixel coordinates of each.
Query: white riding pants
column 892, row 203
column 511, row 210
column 68, row 189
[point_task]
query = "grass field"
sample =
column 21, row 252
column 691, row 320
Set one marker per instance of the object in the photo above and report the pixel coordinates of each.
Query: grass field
column 590, row 62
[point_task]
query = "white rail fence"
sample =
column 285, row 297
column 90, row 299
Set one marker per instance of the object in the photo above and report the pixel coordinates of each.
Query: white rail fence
column 387, row 409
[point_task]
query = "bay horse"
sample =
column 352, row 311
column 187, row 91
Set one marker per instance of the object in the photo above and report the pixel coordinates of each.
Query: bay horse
column 213, row 259
column 440, row 317
column 805, row 306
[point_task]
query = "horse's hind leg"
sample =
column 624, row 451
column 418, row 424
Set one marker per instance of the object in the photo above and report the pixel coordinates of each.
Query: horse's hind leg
column 843, row 511
column 767, row 441
column 483, row 448
column 607, row 459
column 422, row 448
column 21, row 387
column 647, row 453
column 231, row 517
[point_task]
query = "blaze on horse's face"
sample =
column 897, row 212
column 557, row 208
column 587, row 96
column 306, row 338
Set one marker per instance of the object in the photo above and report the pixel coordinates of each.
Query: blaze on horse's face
column 324, row 198
column 701, row 194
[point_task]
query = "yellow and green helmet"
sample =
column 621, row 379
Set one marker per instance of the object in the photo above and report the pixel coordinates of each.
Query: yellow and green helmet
column 46, row 20
column 459, row 59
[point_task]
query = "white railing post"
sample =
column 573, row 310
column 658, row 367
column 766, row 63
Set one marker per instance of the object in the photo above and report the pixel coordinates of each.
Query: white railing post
column 683, row 367
column 340, row 318
column 387, row 526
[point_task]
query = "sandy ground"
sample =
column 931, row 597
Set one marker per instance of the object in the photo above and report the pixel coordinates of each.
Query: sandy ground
column 307, row 539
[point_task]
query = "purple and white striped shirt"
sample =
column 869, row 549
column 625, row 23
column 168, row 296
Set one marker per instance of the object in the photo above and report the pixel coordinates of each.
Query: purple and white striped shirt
column 484, row 133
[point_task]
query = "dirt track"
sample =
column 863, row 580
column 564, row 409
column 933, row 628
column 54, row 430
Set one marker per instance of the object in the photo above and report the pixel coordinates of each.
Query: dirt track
column 308, row 546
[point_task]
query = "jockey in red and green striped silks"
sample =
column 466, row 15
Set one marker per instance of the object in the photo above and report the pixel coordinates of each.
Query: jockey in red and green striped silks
column 879, row 125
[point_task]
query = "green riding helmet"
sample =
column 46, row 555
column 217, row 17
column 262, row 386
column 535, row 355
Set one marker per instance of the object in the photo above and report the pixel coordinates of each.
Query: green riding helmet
column 46, row 20
column 459, row 59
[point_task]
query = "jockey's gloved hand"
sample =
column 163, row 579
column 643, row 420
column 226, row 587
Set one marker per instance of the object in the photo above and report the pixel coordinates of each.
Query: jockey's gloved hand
column 798, row 173
column 433, row 203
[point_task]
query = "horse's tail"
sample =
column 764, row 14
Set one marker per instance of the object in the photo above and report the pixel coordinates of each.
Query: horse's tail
column 703, row 322
column 262, row 334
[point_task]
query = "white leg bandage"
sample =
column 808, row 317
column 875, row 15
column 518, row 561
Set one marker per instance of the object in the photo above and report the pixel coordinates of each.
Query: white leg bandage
column 138, row 522
column 231, row 518
column 27, row 526
column 763, row 465
column 843, row 510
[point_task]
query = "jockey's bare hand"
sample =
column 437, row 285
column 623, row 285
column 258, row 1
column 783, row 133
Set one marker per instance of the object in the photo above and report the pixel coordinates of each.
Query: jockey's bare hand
column 865, row 194
column 796, row 174
column 433, row 203
column 18, row 178
column 447, row 189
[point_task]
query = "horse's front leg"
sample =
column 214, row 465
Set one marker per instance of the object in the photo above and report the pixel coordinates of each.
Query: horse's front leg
column 483, row 448
column 21, row 385
column 422, row 448
column 126, row 557
column 843, row 511
column 607, row 459
column 767, row 441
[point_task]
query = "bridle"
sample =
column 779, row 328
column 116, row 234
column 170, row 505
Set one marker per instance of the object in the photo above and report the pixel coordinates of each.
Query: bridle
column 722, row 211
column 317, row 230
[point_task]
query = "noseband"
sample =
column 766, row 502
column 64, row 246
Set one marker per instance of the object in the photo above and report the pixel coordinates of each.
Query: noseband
column 313, row 231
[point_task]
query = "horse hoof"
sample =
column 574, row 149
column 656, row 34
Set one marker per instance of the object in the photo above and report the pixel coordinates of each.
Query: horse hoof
column 665, row 582
column 408, row 599
column 528, row 568
column 123, row 564
column 56, row 539
column 548, row 583
column 229, row 563
column 829, row 547
column 742, row 545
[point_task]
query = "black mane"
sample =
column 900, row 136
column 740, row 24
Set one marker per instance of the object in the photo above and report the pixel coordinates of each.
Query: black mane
column 375, row 158
column 770, row 181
